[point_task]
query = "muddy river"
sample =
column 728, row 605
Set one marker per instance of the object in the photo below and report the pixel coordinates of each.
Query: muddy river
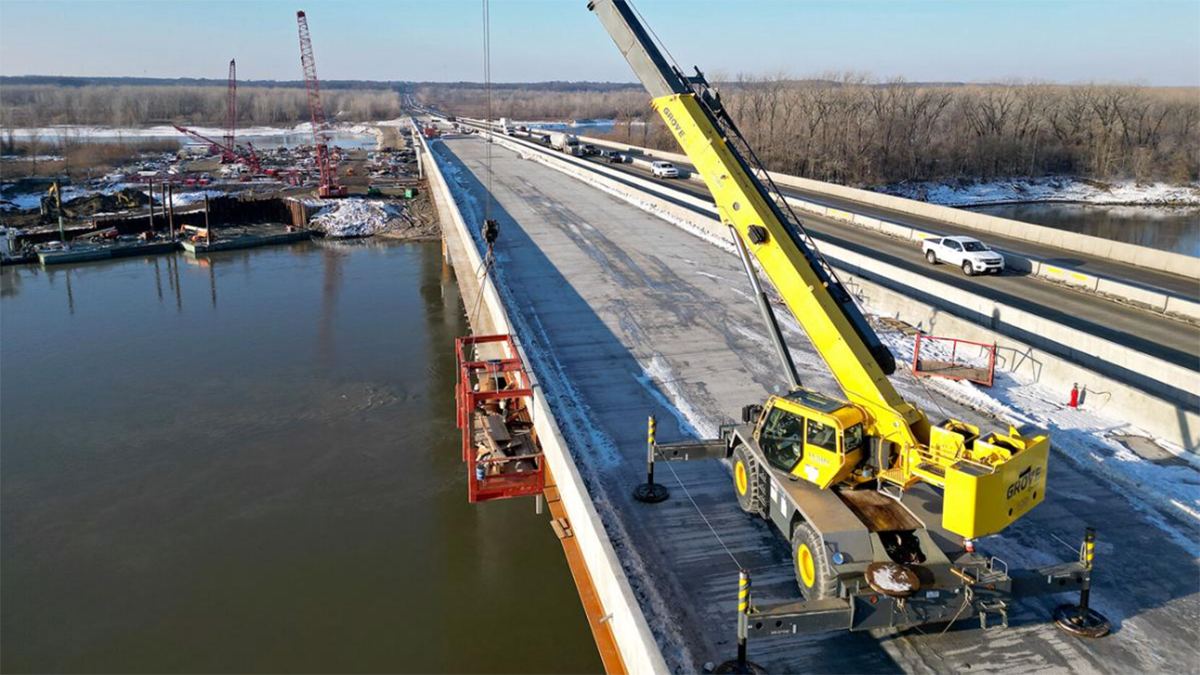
column 251, row 465
column 1165, row 228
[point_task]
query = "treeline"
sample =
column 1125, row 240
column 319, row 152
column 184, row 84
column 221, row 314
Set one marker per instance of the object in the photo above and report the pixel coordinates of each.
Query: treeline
column 134, row 105
column 542, row 101
column 856, row 131
column 850, row 129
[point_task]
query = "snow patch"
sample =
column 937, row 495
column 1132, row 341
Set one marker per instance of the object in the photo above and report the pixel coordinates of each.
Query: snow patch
column 353, row 218
column 1051, row 189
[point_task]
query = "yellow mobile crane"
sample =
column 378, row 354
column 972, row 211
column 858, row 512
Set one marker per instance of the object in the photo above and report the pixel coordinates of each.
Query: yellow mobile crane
column 876, row 500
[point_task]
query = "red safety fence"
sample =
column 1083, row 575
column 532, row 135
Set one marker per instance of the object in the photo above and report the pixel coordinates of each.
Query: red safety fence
column 493, row 398
column 966, row 360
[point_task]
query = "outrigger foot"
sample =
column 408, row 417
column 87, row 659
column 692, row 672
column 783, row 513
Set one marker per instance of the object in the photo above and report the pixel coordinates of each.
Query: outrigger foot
column 741, row 667
column 1081, row 623
column 651, row 493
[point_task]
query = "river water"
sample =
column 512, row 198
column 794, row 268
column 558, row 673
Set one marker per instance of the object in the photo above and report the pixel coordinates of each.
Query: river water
column 251, row 465
column 1164, row 228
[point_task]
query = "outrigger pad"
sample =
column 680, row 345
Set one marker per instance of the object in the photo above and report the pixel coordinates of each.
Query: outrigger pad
column 892, row 579
column 748, row 668
column 651, row 493
column 1070, row 619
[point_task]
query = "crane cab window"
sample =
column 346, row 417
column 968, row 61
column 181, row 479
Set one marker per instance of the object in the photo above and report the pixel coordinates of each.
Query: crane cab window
column 782, row 439
column 852, row 438
column 821, row 436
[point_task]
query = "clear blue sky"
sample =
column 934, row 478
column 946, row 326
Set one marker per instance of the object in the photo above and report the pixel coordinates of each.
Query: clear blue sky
column 1149, row 41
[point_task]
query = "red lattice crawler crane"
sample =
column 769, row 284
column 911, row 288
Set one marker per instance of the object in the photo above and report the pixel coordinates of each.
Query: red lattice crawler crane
column 329, row 184
column 500, row 446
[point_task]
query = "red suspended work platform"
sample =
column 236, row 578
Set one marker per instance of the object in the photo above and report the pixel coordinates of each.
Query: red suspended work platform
column 494, row 399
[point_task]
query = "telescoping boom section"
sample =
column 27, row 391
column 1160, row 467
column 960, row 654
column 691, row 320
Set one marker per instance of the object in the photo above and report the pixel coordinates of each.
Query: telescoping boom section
column 987, row 481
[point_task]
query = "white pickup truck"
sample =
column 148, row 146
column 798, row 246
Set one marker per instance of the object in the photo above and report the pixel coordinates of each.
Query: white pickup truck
column 664, row 170
column 972, row 255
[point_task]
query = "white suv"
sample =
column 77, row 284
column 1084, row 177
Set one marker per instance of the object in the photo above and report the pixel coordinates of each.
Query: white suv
column 664, row 170
column 972, row 255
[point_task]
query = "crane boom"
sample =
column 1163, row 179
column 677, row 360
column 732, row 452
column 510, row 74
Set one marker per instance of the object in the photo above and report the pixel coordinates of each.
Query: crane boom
column 768, row 229
column 320, row 127
column 228, row 153
column 985, row 479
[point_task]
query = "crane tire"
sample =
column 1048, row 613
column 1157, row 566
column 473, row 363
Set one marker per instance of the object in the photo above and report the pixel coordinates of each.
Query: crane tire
column 747, row 482
column 814, row 574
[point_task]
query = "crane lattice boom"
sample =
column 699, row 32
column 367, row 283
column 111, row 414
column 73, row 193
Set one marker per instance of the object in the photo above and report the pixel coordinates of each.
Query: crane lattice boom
column 329, row 184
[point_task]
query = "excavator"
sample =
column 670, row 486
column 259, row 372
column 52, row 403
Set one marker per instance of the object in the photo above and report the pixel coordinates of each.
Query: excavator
column 882, row 506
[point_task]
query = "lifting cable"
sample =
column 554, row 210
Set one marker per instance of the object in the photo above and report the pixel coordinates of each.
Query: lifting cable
column 490, row 228
column 705, row 518
column 487, row 87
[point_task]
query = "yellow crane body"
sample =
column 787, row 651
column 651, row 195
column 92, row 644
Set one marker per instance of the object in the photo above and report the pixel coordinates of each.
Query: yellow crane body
column 879, row 504
column 974, row 473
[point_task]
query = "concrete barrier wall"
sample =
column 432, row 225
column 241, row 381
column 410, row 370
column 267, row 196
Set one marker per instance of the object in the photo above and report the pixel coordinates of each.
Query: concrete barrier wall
column 1167, row 410
column 1164, row 419
column 1174, row 263
column 639, row 650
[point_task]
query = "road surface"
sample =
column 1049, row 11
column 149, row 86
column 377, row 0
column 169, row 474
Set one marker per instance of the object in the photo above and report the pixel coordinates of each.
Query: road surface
column 626, row 315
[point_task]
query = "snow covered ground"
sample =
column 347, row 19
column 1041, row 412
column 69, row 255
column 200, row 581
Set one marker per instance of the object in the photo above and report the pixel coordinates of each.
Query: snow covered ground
column 354, row 217
column 1049, row 189
column 84, row 132
column 157, row 131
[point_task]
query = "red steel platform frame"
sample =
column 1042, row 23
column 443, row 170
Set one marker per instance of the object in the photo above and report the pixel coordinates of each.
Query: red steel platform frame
column 470, row 398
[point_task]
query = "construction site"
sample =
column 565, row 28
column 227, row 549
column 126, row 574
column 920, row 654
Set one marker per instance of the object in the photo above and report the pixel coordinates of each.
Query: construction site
column 227, row 190
column 772, row 424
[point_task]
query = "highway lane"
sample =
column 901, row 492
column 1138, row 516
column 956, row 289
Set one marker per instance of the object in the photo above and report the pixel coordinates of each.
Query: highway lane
column 1142, row 276
column 638, row 316
column 1166, row 338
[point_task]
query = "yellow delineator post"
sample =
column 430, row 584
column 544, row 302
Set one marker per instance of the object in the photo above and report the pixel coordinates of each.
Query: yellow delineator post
column 743, row 614
column 741, row 665
column 651, row 492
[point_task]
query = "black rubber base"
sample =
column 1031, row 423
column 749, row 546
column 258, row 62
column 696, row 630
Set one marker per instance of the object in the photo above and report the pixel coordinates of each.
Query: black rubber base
column 651, row 493
column 749, row 668
column 1093, row 625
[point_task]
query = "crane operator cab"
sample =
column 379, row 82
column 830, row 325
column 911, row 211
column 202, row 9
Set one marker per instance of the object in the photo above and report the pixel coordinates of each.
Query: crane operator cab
column 811, row 436
column 988, row 482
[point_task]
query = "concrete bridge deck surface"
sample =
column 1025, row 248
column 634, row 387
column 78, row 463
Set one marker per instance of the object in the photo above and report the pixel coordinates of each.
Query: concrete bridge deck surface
column 628, row 315
column 1169, row 339
column 1149, row 278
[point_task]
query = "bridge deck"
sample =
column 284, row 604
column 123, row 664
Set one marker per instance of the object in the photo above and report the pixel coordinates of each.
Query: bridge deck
column 638, row 317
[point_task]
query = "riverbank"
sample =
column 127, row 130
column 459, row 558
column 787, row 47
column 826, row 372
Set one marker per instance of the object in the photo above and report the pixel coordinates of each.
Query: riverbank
column 1047, row 190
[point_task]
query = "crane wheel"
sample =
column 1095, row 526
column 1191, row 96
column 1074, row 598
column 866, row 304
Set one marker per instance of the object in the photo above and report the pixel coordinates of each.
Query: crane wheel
column 814, row 574
column 747, row 483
